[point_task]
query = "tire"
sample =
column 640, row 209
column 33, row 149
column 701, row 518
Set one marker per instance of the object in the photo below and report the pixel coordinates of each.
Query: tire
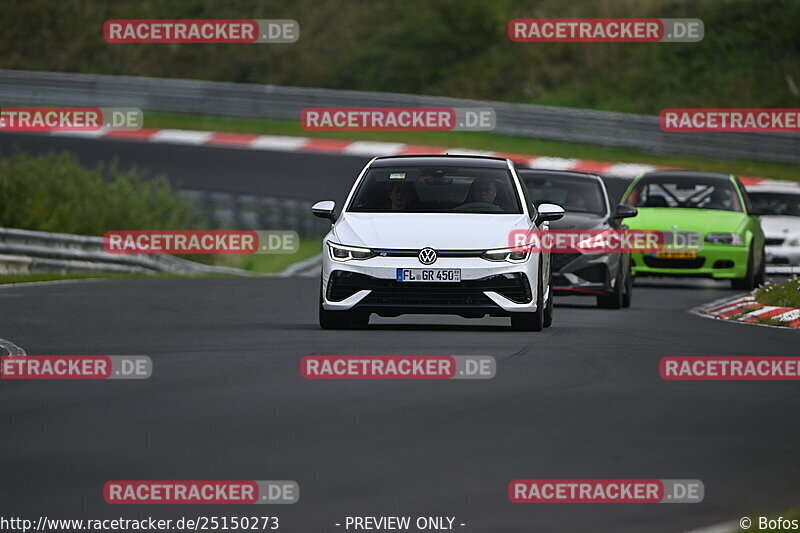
column 531, row 321
column 761, row 276
column 341, row 319
column 627, row 295
column 548, row 309
column 753, row 278
column 616, row 298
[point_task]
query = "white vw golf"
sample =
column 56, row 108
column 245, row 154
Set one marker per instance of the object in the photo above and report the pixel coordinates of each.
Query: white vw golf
column 431, row 234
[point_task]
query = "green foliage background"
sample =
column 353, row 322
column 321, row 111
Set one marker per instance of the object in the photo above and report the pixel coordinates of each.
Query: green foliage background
column 54, row 193
column 750, row 56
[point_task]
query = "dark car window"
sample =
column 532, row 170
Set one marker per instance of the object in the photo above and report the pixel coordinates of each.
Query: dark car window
column 436, row 190
column 774, row 203
column 575, row 195
column 681, row 192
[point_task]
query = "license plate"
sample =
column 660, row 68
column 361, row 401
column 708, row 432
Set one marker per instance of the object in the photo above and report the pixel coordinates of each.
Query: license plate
column 685, row 254
column 443, row 275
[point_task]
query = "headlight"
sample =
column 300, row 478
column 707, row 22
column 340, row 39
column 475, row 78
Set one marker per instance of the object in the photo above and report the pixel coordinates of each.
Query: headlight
column 725, row 238
column 512, row 255
column 346, row 253
column 795, row 242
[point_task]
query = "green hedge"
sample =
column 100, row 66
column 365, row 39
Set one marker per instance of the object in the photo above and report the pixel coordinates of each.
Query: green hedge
column 750, row 56
column 55, row 193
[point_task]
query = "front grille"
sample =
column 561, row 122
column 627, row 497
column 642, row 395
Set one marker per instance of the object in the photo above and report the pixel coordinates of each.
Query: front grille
column 559, row 261
column 774, row 241
column 465, row 293
column 655, row 262
column 387, row 252
column 594, row 273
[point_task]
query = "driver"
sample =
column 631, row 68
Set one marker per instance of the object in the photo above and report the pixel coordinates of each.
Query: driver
column 720, row 198
column 576, row 201
column 401, row 196
column 482, row 190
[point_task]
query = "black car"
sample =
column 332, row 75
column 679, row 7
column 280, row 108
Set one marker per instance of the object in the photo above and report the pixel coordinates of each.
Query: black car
column 584, row 197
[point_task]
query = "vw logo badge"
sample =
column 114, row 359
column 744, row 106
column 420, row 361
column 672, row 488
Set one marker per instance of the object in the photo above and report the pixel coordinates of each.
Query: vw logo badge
column 427, row 256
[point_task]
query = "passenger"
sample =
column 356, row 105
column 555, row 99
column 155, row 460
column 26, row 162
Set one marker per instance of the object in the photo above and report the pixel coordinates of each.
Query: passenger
column 482, row 190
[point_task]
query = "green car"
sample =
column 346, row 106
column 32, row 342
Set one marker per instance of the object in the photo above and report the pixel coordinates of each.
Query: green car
column 708, row 226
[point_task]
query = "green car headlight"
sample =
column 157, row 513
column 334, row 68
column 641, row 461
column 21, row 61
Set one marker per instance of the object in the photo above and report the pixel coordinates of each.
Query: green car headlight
column 725, row 238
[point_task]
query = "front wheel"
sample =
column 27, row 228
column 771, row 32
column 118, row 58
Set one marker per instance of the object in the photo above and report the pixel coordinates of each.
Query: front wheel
column 548, row 309
column 754, row 277
column 627, row 295
column 532, row 321
column 616, row 298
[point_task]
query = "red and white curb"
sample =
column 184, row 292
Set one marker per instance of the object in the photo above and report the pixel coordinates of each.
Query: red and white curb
column 10, row 348
column 747, row 309
column 283, row 143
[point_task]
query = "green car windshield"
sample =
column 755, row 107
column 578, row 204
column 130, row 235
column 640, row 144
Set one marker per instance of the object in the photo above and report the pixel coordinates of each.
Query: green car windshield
column 682, row 193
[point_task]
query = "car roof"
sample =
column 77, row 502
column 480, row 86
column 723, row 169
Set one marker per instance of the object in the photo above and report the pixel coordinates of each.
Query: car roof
column 687, row 175
column 556, row 173
column 441, row 160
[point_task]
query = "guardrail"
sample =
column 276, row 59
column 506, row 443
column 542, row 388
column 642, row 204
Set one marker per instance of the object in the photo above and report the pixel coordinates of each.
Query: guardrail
column 222, row 210
column 24, row 251
column 278, row 102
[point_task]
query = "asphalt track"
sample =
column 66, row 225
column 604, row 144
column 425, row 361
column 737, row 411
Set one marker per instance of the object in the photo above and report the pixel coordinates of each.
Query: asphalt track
column 302, row 175
column 582, row 399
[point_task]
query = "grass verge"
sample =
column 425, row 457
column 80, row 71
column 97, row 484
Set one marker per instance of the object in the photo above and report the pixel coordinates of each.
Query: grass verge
column 786, row 294
column 12, row 279
column 474, row 140
column 257, row 263
column 270, row 263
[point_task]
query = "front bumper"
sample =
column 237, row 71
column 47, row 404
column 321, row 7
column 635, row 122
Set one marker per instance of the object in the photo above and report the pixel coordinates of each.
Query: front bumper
column 782, row 254
column 718, row 261
column 486, row 287
column 591, row 274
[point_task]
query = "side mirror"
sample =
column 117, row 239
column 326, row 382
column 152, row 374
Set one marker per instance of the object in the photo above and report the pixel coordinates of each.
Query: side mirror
column 325, row 209
column 549, row 212
column 625, row 211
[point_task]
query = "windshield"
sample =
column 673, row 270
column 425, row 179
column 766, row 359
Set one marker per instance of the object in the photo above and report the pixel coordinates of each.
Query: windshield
column 575, row 195
column 685, row 193
column 773, row 203
column 436, row 190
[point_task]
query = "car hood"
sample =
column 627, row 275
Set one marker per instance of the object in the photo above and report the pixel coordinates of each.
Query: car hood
column 445, row 231
column 780, row 226
column 700, row 220
column 580, row 221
